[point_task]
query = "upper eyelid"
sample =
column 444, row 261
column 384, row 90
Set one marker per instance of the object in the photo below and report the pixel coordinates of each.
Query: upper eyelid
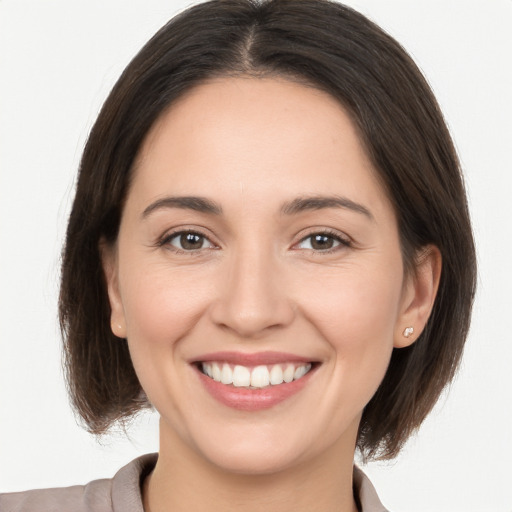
column 334, row 233
column 306, row 233
column 171, row 233
column 344, row 241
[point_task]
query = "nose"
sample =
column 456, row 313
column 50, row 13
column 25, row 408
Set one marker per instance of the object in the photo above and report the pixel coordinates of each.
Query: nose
column 252, row 295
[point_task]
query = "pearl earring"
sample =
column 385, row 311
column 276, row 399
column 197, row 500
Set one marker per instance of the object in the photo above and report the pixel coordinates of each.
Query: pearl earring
column 408, row 331
column 116, row 329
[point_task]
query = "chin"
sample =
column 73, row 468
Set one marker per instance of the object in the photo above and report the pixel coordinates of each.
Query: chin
column 253, row 458
column 265, row 448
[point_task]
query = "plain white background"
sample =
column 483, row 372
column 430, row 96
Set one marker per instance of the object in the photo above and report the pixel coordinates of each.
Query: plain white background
column 59, row 59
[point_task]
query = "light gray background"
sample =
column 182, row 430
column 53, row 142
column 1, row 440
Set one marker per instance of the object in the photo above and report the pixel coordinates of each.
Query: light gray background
column 59, row 59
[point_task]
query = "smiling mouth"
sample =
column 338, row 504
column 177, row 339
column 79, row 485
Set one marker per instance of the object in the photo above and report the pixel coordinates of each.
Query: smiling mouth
column 257, row 377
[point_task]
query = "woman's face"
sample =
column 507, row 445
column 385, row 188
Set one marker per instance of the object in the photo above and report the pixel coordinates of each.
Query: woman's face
column 256, row 244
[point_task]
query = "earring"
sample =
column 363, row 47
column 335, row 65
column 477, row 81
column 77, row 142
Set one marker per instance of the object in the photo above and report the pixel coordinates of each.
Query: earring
column 116, row 329
column 408, row 331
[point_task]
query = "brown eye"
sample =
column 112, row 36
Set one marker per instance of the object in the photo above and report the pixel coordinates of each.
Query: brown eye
column 189, row 241
column 321, row 242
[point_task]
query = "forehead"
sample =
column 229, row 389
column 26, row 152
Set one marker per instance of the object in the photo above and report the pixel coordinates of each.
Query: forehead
column 263, row 137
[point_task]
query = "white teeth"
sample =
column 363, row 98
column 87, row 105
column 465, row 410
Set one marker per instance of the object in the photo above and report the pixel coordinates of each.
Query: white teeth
column 207, row 369
column 216, row 372
column 289, row 373
column 241, row 376
column 276, row 375
column 299, row 372
column 226, row 376
column 258, row 377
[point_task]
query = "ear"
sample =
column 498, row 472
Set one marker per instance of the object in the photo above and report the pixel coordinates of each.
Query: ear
column 419, row 293
column 109, row 263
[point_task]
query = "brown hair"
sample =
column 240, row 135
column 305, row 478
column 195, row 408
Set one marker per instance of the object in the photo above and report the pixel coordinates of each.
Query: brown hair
column 335, row 49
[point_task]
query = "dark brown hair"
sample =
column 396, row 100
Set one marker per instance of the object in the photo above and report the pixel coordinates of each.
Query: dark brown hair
column 335, row 49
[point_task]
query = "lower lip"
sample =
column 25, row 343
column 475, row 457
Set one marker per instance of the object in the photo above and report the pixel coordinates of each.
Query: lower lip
column 245, row 399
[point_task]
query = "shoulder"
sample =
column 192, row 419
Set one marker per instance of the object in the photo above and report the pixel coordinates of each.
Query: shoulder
column 365, row 492
column 79, row 498
column 121, row 493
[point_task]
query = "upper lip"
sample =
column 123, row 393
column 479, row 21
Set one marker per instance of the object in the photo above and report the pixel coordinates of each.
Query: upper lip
column 252, row 359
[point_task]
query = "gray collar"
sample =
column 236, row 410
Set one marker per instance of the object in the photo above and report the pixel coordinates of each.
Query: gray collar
column 126, row 484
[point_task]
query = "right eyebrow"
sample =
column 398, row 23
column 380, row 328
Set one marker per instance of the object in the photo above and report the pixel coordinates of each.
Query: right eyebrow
column 198, row 204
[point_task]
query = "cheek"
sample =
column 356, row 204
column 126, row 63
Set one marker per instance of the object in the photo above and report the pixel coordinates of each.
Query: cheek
column 351, row 304
column 161, row 308
column 355, row 313
column 161, row 305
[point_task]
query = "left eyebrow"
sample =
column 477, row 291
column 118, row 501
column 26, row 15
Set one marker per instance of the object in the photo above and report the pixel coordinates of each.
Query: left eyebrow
column 321, row 202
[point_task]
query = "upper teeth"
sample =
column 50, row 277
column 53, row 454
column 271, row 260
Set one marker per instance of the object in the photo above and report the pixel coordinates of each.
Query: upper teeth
column 257, row 377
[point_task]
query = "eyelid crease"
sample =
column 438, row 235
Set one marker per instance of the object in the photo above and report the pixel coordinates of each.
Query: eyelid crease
column 344, row 241
column 334, row 233
column 173, row 233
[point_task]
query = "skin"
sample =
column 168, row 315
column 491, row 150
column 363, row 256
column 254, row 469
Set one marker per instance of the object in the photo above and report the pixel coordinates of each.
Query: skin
column 256, row 283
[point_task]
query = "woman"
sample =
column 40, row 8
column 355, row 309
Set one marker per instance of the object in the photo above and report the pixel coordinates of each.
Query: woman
column 269, row 244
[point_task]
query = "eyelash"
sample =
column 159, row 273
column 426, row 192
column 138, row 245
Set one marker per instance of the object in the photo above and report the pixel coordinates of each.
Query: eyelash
column 167, row 238
column 334, row 235
column 166, row 241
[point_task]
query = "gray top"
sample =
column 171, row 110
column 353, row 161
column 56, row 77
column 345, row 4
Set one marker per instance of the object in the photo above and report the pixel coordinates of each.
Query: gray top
column 122, row 493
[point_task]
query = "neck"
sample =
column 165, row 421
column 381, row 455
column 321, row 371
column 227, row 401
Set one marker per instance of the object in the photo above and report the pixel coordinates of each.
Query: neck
column 183, row 480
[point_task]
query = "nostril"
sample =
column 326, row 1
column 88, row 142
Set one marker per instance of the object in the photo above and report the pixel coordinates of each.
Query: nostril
column 252, row 322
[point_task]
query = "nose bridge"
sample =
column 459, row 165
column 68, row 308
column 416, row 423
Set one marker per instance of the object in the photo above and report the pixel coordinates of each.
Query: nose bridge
column 252, row 298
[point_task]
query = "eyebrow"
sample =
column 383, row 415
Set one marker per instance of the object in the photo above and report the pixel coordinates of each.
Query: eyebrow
column 198, row 204
column 321, row 202
column 298, row 205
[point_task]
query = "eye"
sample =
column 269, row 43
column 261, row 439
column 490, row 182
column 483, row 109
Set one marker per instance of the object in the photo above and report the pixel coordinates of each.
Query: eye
column 322, row 242
column 188, row 241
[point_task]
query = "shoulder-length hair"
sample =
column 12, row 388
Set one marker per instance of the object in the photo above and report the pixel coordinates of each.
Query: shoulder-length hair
column 339, row 51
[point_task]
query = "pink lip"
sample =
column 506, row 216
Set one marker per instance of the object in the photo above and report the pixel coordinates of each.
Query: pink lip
column 246, row 359
column 245, row 399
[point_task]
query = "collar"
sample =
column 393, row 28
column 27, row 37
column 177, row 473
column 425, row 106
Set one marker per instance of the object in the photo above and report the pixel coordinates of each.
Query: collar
column 126, row 487
column 364, row 490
